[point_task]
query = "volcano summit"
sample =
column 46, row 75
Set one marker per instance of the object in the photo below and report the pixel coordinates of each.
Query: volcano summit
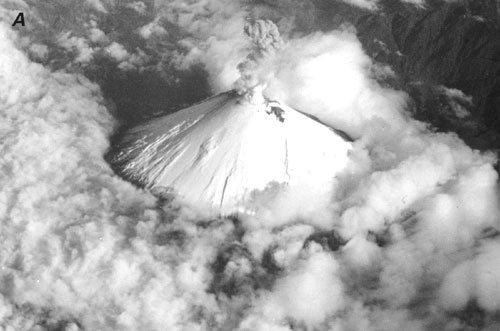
column 227, row 151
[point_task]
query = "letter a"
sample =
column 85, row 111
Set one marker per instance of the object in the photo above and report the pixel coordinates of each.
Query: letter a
column 19, row 19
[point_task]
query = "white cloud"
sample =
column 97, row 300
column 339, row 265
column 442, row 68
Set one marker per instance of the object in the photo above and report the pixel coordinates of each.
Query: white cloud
column 309, row 293
column 150, row 29
column 97, row 4
column 312, row 292
column 84, row 53
column 138, row 6
column 77, row 241
column 96, row 35
column 421, row 3
column 474, row 279
column 117, row 51
column 457, row 100
column 365, row 4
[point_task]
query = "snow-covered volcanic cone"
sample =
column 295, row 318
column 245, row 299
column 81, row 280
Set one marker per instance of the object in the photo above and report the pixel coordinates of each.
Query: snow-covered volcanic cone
column 236, row 150
column 224, row 151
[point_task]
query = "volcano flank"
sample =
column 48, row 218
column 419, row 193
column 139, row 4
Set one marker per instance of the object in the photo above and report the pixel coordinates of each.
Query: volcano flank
column 227, row 150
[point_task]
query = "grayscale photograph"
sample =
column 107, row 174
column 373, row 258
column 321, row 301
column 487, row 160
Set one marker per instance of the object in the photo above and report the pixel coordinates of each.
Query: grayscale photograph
column 249, row 165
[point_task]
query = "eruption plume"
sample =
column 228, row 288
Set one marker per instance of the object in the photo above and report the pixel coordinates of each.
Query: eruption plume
column 265, row 42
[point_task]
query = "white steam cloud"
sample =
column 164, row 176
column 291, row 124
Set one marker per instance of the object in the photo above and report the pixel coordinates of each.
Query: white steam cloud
column 408, row 239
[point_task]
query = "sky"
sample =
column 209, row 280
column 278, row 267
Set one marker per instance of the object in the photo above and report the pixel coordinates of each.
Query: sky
column 406, row 239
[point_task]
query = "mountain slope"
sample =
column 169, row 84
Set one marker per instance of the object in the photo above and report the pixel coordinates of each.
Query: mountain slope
column 220, row 153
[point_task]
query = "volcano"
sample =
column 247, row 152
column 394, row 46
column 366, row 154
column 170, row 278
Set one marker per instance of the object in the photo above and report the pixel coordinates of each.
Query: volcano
column 228, row 151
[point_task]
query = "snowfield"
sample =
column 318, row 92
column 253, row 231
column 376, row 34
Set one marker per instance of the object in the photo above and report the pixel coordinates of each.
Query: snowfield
column 222, row 152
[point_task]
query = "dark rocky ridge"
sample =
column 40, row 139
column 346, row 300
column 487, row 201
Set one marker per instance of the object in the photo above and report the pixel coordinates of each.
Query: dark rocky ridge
column 456, row 45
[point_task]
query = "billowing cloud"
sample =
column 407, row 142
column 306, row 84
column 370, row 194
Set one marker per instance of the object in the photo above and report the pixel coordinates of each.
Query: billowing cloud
column 365, row 4
column 71, row 253
column 97, row 4
column 83, row 52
